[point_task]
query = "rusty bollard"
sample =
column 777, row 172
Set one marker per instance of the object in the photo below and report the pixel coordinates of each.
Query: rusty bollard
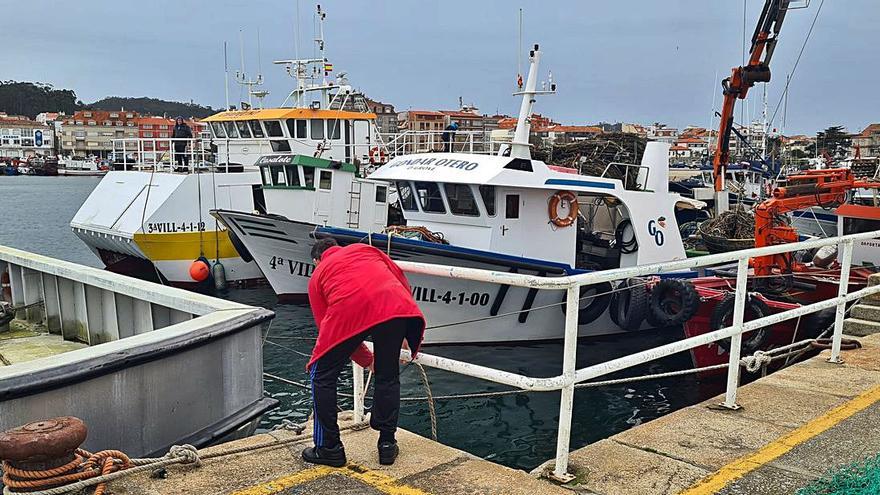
column 43, row 445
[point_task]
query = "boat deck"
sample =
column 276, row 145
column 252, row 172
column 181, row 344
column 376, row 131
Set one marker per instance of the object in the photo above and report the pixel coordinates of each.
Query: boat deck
column 26, row 342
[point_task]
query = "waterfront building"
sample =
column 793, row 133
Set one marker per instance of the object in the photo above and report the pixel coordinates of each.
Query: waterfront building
column 386, row 117
column 91, row 132
column 21, row 137
column 868, row 141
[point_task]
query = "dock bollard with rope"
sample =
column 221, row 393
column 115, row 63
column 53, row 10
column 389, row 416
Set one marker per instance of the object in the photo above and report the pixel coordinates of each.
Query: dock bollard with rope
column 45, row 458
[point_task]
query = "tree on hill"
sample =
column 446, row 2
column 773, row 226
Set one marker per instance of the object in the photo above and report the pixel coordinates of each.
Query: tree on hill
column 153, row 106
column 835, row 140
column 29, row 99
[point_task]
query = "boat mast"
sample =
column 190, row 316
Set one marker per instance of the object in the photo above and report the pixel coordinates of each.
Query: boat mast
column 325, row 91
column 520, row 147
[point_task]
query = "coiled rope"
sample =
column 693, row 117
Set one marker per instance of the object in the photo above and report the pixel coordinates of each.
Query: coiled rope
column 114, row 462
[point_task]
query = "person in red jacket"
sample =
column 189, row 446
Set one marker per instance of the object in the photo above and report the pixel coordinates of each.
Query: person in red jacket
column 357, row 292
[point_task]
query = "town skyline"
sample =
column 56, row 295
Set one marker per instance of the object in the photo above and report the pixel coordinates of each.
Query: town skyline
column 600, row 58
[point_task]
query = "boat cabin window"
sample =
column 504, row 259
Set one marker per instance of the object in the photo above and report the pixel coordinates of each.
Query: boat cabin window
column 279, row 145
column 317, row 128
column 267, row 176
column 273, row 128
column 231, row 131
column 278, row 176
column 430, row 197
column 255, row 128
column 297, row 128
column 461, row 200
column 519, row 164
column 309, row 176
column 333, row 128
column 381, row 194
column 511, row 207
column 243, row 130
column 488, row 194
column 218, row 129
column 858, row 225
column 293, row 176
column 407, row 198
column 325, row 179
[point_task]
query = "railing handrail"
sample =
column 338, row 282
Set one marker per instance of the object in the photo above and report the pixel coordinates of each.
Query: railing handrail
column 566, row 281
column 570, row 376
column 171, row 297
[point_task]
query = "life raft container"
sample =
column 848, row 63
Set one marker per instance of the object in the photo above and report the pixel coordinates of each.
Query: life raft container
column 629, row 304
column 377, row 155
column 599, row 300
column 722, row 317
column 673, row 302
column 553, row 208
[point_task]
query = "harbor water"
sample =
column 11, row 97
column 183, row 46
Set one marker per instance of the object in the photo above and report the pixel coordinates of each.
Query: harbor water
column 515, row 430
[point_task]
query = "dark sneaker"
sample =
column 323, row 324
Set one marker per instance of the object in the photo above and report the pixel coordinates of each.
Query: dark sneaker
column 388, row 453
column 334, row 457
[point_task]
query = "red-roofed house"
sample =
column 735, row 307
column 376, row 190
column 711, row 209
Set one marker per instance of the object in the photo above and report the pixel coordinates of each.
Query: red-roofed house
column 558, row 133
column 868, row 141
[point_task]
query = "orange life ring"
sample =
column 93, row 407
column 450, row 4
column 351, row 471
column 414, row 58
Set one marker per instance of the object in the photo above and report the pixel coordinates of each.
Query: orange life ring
column 557, row 198
column 377, row 155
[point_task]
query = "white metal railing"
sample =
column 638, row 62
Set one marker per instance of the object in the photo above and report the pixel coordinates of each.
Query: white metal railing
column 161, row 154
column 409, row 142
column 570, row 376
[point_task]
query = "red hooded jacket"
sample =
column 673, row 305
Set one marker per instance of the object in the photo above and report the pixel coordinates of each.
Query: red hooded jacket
column 357, row 287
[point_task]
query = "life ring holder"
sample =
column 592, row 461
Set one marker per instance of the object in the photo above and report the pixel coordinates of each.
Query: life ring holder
column 553, row 209
column 377, row 155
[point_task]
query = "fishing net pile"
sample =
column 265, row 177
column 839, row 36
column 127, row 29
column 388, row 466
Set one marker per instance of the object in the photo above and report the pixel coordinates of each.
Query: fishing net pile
column 738, row 223
column 860, row 478
column 592, row 155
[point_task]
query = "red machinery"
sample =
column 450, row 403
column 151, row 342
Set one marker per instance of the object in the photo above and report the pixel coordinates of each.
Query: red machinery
column 744, row 77
column 827, row 187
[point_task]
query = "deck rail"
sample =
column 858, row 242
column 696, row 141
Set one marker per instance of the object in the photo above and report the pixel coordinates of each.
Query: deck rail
column 571, row 376
column 94, row 306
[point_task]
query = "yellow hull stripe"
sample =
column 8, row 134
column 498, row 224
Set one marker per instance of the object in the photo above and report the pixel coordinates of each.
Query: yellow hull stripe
column 179, row 246
column 744, row 465
column 380, row 481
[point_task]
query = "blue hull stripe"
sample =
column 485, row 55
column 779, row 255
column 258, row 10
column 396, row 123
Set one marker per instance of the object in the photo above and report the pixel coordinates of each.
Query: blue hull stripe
column 582, row 183
column 501, row 258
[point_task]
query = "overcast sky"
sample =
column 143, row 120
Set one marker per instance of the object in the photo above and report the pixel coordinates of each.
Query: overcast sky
column 634, row 61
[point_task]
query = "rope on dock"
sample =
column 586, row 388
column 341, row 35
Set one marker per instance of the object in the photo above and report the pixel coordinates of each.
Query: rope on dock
column 114, row 459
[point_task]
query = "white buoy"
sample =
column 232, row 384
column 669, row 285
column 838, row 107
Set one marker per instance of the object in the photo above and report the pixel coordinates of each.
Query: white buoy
column 219, row 273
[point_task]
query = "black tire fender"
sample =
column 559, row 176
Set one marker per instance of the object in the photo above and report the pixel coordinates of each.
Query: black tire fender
column 755, row 308
column 598, row 303
column 673, row 302
column 629, row 304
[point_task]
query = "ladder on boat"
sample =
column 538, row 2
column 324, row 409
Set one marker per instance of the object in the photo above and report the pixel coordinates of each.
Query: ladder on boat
column 354, row 205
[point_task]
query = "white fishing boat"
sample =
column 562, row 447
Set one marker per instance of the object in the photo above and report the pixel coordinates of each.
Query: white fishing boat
column 151, row 218
column 491, row 212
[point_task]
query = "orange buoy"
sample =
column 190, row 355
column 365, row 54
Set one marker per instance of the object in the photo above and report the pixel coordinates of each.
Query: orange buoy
column 199, row 271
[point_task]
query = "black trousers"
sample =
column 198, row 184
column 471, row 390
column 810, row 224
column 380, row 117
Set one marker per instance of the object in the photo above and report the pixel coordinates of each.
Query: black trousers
column 387, row 340
column 181, row 157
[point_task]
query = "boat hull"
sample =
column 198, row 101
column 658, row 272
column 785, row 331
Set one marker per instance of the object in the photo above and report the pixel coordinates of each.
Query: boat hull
column 458, row 311
column 162, row 219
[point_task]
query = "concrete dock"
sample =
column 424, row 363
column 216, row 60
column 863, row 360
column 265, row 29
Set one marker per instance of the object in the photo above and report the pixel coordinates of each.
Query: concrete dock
column 795, row 426
column 424, row 467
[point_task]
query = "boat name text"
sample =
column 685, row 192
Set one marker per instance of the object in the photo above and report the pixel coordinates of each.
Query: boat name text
column 425, row 294
column 172, row 227
column 298, row 268
column 429, row 163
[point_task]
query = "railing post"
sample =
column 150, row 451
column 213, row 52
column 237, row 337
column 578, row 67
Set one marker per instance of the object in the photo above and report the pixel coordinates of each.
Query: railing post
column 358, row 384
column 739, row 306
column 566, row 403
column 842, row 288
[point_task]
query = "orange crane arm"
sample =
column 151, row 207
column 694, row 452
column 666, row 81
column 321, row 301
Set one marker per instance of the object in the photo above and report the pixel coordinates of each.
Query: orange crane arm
column 744, row 77
column 812, row 188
